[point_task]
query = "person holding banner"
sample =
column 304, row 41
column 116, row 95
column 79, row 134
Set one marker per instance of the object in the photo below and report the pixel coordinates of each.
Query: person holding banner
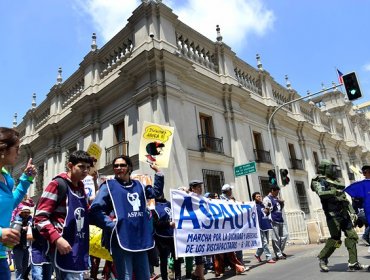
column 195, row 186
column 227, row 194
column 130, row 235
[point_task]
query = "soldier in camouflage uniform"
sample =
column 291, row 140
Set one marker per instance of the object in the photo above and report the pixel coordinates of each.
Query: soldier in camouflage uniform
column 339, row 215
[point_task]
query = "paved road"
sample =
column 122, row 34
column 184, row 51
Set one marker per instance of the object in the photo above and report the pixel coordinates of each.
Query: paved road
column 301, row 264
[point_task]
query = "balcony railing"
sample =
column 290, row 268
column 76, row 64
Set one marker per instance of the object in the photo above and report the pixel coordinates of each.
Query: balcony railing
column 210, row 144
column 262, row 156
column 116, row 150
column 296, row 163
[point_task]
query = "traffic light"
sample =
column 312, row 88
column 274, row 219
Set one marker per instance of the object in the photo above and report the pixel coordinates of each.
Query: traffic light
column 272, row 177
column 284, row 177
column 352, row 86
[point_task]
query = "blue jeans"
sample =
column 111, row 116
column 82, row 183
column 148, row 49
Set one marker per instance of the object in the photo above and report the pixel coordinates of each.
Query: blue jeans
column 41, row 272
column 21, row 257
column 366, row 234
column 279, row 238
column 127, row 263
column 4, row 269
column 265, row 245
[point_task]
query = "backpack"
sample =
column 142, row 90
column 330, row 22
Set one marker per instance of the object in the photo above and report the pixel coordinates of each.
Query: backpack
column 62, row 189
column 62, row 193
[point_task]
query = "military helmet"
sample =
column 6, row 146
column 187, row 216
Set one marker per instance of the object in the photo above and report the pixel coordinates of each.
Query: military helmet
column 328, row 169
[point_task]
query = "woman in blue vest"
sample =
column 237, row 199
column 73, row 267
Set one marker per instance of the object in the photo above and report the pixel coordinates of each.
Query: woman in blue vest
column 130, row 234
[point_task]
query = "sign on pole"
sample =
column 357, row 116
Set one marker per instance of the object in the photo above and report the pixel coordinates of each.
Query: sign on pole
column 245, row 169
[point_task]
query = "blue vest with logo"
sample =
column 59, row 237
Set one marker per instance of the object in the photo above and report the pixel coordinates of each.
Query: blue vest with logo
column 276, row 212
column 134, row 227
column 263, row 220
column 163, row 210
column 76, row 232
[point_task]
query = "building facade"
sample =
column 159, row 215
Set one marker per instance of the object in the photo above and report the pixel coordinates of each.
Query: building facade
column 160, row 70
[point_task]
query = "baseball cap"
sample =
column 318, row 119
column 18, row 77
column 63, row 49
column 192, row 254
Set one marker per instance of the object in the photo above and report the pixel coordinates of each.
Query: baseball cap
column 226, row 187
column 195, row 182
column 26, row 209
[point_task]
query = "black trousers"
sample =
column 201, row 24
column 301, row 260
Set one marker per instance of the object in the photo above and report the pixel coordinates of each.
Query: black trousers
column 166, row 246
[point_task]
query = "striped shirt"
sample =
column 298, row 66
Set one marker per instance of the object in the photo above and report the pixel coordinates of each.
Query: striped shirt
column 49, row 217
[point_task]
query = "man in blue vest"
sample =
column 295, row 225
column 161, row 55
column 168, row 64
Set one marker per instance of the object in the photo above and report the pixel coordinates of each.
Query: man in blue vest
column 265, row 227
column 279, row 231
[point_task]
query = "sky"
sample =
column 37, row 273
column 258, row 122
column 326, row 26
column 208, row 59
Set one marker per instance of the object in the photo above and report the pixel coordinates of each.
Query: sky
column 306, row 40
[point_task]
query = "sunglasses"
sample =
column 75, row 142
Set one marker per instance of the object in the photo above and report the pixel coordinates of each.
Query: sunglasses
column 117, row 165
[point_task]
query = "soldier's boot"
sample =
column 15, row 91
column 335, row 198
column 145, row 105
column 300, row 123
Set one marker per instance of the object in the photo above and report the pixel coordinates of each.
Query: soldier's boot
column 323, row 264
column 357, row 267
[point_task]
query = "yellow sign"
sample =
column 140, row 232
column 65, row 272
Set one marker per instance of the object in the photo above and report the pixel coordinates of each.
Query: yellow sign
column 94, row 150
column 156, row 143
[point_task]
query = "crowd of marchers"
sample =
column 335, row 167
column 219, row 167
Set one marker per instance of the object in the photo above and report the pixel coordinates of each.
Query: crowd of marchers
column 54, row 241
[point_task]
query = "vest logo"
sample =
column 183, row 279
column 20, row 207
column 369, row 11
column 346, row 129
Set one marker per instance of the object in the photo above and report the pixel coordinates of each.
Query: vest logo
column 133, row 199
column 169, row 212
column 79, row 215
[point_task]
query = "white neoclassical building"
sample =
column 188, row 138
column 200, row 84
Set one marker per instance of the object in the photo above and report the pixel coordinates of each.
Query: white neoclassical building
column 160, row 70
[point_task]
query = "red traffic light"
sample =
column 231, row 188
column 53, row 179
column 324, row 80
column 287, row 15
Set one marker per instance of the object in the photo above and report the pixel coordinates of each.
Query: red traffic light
column 284, row 177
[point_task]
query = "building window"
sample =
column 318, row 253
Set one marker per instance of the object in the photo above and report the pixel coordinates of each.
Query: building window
column 292, row 151
column 259, row 152
column 206, row 125
column 120, row 145
column 119, row 132
column 207, row 140
column 302, row 197
column 296, row 163
column 213, row 180
column 257, row 137
column 264, row 185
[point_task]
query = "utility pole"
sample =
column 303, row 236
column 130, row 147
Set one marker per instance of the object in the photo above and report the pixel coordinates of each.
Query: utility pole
column 273, row 155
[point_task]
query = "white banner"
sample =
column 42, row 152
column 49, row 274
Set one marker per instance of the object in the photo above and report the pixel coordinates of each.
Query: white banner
column 207, row 227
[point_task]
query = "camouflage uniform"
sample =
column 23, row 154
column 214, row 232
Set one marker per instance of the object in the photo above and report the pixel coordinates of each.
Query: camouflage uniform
column 339, row 214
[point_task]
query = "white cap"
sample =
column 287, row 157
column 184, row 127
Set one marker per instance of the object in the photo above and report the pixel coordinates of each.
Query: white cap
column 226, row 187
column 26, row 208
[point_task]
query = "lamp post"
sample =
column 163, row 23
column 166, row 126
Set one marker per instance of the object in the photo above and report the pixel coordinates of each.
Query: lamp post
column 272, row 144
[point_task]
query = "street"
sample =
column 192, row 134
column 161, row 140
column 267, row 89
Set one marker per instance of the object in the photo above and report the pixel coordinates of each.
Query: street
column 301, row 264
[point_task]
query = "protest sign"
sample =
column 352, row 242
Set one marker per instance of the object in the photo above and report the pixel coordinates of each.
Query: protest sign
column 94, row 150
column 89, row 186
column 155, row 144
column 207, row 227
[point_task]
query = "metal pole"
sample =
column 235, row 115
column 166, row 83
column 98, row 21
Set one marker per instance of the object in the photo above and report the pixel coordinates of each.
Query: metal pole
column 273, row 155
column 249, row 188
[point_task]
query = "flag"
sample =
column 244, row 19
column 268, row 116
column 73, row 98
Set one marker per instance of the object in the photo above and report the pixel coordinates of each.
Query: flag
column 340, row 76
